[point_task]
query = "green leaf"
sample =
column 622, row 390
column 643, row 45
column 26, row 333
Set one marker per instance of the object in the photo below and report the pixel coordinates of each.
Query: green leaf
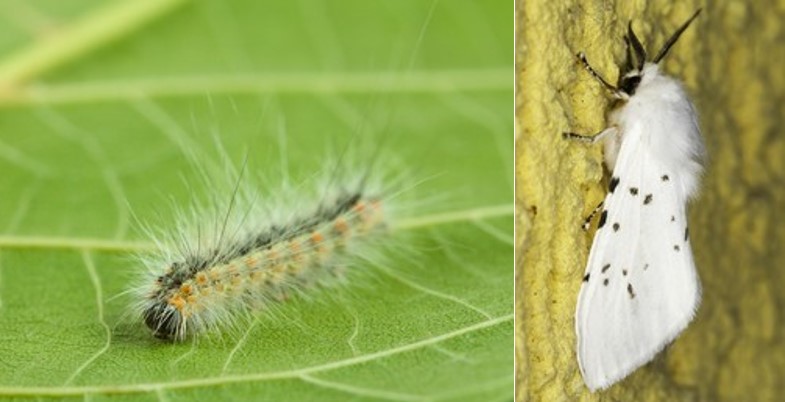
column 98, row 103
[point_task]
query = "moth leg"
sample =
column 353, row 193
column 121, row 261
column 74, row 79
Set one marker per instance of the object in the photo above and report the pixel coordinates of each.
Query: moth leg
column 587, row 221
column 590, row 139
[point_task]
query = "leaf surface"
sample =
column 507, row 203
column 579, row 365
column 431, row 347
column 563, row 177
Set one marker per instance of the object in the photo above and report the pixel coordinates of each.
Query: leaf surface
column 93, row 135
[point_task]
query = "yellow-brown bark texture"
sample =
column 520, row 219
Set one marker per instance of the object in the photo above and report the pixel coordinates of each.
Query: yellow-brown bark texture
column 732, row 61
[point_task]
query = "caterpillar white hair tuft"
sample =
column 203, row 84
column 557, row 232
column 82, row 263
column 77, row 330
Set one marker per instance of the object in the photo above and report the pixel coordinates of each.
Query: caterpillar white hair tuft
column 227, row 257
column 640, row 288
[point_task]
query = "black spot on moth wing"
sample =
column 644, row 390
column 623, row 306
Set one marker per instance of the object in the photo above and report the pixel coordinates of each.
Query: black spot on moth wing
column 616, row 227
column 634, row 190
column 603, row 218
column 614, row 182
column 624, row 272
column 630, row 291
column 645, row 267
column 648, row 199
column 673, row 218
column 605, row 268
column 686, row 233
column 665, row 177
column 605, row 282
column 586, row 277
column 676, row 247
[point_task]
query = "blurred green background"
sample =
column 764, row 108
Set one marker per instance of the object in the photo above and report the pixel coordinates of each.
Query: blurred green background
column 99, row 100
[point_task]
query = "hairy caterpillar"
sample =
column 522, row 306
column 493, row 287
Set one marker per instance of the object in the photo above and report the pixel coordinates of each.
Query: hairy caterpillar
column 225, row 261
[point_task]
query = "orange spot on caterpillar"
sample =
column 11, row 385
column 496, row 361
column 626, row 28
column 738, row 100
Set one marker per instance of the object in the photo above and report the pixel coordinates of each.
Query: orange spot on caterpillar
column 317, row 239
column 186, row 289
column 191, row 299
column 177, row 302
column 340, row 226
column 359, row 207
column 201, row 278
column 251, row 261
column 219, row 287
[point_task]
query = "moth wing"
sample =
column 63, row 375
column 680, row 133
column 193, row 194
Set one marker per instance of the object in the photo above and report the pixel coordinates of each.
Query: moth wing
column 640, row 289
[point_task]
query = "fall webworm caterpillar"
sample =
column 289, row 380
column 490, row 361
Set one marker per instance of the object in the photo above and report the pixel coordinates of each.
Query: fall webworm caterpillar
column 641, row 288
column 229, row 257
column 256, row 250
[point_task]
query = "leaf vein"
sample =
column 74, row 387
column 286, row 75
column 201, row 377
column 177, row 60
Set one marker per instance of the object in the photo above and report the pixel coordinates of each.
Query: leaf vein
column 355, row 390
column 444, row 81
column 90, row 265
column 389, row 272
column 241, row 378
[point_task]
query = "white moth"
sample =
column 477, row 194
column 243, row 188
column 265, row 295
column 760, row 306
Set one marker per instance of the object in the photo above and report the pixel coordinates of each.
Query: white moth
column 641, row 289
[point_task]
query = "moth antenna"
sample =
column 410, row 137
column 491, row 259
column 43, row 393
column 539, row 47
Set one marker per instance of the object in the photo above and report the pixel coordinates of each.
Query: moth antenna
column 628, row 63
column 640, row 52
column 675, row 37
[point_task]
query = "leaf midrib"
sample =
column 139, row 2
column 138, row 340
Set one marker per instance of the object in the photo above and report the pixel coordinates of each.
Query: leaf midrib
column 230, row 379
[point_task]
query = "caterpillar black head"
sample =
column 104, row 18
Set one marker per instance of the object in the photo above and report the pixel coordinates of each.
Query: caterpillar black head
column 163, row 320
column 162, row 312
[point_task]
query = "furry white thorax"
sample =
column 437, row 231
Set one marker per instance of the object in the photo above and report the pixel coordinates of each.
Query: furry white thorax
column 662, row 115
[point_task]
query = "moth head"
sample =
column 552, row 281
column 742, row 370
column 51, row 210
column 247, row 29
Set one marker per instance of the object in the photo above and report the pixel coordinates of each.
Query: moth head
column 631, row 73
